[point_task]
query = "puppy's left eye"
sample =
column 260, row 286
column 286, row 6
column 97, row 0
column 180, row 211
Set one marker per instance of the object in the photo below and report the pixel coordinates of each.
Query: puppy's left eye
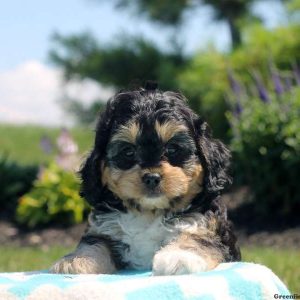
column 172, row 149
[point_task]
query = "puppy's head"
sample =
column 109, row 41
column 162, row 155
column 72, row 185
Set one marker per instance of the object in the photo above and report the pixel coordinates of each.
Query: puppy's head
column 152, row 152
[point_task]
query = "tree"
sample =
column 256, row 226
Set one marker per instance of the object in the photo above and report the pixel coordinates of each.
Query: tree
column 293, row 7
column 170, row 12
column 83, row 115
column 128, row 62
column 231, row 11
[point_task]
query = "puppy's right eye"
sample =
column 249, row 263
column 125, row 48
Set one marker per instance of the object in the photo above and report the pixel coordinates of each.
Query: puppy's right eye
column 128, row 151
column 121, row 154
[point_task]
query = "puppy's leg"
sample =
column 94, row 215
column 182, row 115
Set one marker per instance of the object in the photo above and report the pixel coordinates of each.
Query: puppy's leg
column 188, row 254
column 92, row 256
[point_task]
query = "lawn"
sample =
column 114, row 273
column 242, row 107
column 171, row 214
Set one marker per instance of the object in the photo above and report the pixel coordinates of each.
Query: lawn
column 285, row 263
column 22, row 143
column 29, row 258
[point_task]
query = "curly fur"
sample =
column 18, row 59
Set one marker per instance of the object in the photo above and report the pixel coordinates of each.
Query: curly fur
column 191, row 225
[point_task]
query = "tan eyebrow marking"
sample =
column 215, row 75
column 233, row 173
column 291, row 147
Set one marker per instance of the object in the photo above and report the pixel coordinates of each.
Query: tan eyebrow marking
column 168, row 129
column 127, row 133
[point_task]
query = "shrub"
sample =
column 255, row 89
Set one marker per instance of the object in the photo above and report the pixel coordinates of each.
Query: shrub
column 15, row 180
column 205, row 83
column 266, row 145
column 53, row 199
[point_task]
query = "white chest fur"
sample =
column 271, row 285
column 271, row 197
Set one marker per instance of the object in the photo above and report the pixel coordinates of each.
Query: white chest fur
column 144, row 235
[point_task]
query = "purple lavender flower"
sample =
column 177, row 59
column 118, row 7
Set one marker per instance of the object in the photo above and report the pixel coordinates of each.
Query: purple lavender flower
column 237, row 109
column 237, row 91
column 262, row 91
column 234, row 84
column 46, row 144
column 277, row 82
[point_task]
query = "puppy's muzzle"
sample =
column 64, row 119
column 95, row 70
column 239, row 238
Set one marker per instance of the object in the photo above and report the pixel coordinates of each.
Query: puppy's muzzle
column 151, row 180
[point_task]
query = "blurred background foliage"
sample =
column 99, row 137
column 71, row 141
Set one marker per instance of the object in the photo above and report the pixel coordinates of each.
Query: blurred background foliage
column 205, row 80
column 15, row 181
column 129, row 61
column 265, row 141
column 171, row 13
column 202, row 76
column 54, row 199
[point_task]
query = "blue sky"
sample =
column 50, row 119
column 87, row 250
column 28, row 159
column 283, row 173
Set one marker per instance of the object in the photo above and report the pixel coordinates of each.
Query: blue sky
column 26, row 26
column 29, row 83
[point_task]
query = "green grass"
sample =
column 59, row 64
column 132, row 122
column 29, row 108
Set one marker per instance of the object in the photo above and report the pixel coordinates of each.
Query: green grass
column 284, row 263
column 16, row 259
column 22, row 143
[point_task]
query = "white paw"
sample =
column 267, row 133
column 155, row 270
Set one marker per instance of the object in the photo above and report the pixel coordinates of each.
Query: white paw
column 72, row 264
column 177, row 262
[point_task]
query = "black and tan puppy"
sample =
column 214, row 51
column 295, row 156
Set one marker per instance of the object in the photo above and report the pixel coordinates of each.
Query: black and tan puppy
column 154, row 179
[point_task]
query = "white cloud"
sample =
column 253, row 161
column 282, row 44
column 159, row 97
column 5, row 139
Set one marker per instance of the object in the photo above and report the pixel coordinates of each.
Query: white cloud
column 30, row 93
column 87, row 91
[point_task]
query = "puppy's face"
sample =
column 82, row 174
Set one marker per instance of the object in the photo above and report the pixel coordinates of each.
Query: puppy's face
column 152, row 152
column 152, row 165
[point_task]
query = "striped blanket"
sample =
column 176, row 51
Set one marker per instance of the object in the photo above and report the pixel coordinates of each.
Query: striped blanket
column 227, row 281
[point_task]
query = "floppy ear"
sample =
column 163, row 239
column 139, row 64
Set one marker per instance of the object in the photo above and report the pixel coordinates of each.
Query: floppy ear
column 91, row 186
column 215, row 157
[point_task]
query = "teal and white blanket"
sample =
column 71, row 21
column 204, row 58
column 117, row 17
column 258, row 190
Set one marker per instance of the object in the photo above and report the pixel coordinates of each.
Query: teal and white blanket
column 228, row 281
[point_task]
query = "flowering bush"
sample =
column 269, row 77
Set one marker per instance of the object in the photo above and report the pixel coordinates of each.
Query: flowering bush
column 205, row 83
column 265, row 127
column 54, row 198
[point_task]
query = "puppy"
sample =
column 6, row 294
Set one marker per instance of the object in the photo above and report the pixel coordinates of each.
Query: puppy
column 154, row 179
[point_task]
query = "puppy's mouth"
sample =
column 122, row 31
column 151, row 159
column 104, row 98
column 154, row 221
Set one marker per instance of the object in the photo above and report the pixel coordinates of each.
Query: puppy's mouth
column 154, row 193
column 154, row 201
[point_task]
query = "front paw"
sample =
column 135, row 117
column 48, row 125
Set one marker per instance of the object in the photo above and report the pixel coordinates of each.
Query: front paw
column 72, row 264
column 177, row 262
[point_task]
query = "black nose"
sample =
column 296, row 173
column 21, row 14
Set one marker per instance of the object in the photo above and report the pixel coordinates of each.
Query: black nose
column 151, row 180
